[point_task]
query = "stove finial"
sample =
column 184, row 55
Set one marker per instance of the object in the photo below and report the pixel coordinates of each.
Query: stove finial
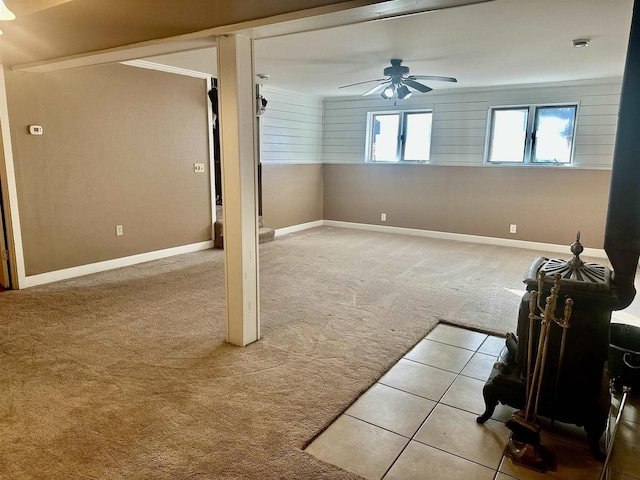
column 576, row 249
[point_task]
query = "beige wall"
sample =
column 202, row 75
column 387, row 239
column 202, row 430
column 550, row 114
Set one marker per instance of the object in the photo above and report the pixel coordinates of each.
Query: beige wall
column 547, row 204
column 291, row 194
column 118, row 147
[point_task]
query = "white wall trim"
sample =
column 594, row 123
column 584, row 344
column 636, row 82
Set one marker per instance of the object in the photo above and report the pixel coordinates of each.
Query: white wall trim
column 8, row 177
column 299, row 227
column 66, row 273
column 503, row 242
column 212, row 157
column 149, row 48
column 166, row 68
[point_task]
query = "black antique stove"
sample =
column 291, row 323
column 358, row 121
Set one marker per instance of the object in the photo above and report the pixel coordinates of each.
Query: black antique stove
column 573, row 386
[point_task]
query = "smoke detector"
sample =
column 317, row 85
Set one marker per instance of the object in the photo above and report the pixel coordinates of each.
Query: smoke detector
column 580, row 42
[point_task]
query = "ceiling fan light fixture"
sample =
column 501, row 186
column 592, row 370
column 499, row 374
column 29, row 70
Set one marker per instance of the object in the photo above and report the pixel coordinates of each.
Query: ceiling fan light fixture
column 5, row 13
column 388, row 92
column 403, row 92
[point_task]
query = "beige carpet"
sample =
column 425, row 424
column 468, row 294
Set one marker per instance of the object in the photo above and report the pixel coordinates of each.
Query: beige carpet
column 126, row 375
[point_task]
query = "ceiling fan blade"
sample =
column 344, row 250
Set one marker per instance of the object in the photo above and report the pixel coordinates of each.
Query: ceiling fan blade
column 375, row 89
column 418, row 86
column 432, row 77
column 360, row 83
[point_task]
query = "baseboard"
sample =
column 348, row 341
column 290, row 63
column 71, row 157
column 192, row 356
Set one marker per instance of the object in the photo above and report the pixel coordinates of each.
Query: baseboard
column 299, row 227
column 461, row 237
column 66, row 273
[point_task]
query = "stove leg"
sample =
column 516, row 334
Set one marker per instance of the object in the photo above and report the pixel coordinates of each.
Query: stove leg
column 594, row 446
column 595, row 427
column 491, row 397
column 595, row 430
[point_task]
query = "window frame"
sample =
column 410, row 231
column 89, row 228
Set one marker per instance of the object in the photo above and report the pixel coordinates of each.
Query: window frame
column 402, row 133
column 532, row 118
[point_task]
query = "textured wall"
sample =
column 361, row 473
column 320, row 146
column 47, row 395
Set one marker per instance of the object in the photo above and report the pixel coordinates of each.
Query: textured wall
column 292, row 194
column 118, row 147
column 547, row 205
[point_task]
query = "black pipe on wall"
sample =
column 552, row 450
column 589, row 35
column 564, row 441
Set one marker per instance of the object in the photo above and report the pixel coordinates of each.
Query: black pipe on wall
column 622, row 231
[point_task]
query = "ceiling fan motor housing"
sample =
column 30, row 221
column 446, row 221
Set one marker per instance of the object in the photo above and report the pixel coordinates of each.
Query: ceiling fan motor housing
column 396, row 70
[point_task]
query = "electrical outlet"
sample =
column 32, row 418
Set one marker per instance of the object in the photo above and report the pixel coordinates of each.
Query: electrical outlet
column 512, row 228
column 383, row 217
column 119, row 231
column 198, row 167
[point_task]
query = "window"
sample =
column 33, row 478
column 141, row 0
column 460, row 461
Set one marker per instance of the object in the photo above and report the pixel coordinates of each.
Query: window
column 532, row 134
column 399, row 136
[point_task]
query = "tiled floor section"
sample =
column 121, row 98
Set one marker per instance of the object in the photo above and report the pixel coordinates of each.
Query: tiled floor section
column 419, row 422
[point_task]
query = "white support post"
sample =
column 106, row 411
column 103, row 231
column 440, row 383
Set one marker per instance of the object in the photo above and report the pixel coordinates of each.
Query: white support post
column 10, row 192
column 236, row 90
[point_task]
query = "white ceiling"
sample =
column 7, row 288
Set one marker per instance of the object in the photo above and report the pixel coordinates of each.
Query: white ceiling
column 504, row 42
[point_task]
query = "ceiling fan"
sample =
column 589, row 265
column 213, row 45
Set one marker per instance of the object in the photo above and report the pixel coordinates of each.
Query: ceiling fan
column 398, row 82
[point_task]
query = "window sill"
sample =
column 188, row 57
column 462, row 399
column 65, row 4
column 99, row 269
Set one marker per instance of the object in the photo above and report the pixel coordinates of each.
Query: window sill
column 403, row 162
column 528, row 164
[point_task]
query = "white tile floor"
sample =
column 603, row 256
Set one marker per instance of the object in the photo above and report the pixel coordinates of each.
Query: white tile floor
column 419, row 422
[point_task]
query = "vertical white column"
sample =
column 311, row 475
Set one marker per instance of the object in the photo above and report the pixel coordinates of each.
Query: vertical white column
column 12, row 214
column 236, row 90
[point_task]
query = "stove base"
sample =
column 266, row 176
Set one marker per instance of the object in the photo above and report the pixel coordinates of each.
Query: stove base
column 533, row 456
column 505, row 387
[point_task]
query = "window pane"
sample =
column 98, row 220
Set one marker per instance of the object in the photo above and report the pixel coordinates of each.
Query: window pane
column 417, row 143
column 384, row 147
column 508, row 135
column 554, row 134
